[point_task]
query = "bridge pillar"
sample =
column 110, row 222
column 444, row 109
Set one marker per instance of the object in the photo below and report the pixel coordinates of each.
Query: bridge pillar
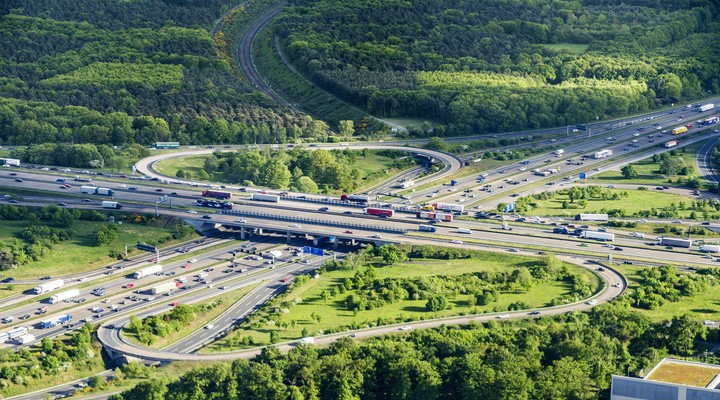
column 259, row 231
column 288, row 237
column 243, row 233
column 335, row 243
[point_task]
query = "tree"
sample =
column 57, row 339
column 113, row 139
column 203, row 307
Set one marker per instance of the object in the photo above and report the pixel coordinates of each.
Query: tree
column 391, row 254
column 346, row 127
column 437, row 143
column 275, row 174
column 682, row 333
column 305, row 184
column 437, row 302
column 629, row 172
column 670, row 166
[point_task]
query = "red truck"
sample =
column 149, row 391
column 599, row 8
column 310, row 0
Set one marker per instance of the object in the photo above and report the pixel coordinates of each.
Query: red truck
column 216, row 194
column 446, row 217
column 380, row 212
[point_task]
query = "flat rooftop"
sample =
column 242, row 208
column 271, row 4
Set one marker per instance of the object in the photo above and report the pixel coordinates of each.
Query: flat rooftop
column 685, row 373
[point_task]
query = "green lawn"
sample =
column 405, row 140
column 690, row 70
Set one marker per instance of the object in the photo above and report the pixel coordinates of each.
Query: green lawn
column 191, row 164
column 227, row 300
column 571, row 47
column 638, row 200
column 703, row 306
column 79, row 254
column 649, row 171
column 306, row 299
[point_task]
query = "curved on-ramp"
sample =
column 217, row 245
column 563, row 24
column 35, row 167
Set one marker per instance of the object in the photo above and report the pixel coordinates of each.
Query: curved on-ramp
column 452, row 163
column 614, row 285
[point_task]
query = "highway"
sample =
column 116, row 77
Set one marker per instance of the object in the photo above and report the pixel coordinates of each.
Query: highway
column 703, row 161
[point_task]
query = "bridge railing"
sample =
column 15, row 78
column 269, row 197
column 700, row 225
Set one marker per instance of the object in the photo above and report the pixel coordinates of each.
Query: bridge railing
column 313, row 221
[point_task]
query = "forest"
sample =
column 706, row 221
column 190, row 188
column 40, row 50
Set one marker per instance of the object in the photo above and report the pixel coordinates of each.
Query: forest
column 564, row 357
column 130, row 72
column 499, row 65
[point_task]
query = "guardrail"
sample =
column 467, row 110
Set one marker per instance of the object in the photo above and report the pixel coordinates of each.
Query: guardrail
column 314, row 221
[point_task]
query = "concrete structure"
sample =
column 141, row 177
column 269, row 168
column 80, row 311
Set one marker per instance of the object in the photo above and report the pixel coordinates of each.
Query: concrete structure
column 670, row 380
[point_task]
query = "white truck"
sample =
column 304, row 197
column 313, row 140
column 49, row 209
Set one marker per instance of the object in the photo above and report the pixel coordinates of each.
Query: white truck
column 675, row 242
column 273, row 198
column 68, row 294
column 105, row 191
column 165, row 287
column 707, row 107
column 559, row 152
column 709, row 248
column 608, row 237
column 407, row 184
column 449, row 207
column 592, row 217
column 49, row 286
column 111, row 204
column 307, row 340
column 604, row 153
column 25, row 339
column 10, row 161
column 147, row 271
column 17, row 332
column 88, row 189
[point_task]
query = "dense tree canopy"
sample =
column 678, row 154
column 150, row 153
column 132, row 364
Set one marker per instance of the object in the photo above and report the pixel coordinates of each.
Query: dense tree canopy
column 479, row 66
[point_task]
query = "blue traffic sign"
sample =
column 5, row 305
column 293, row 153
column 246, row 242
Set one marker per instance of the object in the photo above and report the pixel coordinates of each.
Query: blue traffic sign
column 510, row 207
column 583, row 176
column 314, row 251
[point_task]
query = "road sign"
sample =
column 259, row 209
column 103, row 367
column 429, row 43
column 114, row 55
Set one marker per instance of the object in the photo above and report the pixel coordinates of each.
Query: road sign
column 313, row 250
column 583, row 175
column 134, row 168
column 307, row 249
column 146, row 247
column 510, row 207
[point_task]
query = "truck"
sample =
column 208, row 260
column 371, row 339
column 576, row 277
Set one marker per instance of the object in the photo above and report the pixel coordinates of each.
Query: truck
column 561, row 229
column 216, row 194
column 111, row 204
column 165, row 287
column 105, row 192
column 711, row 120
column 671, row 143
column 427, row 228
column 88, row 189
column 559, row 152
column 49, row 286
column 449, row 207
column 679, row 130
column 147, row 271
column 360, row 198
column 592, row 217
column 380, row 212
column 55, row 322
column 542, row 173
column 608, row 237
column 675, row 242
column 307, row 340
column 604, row 153
column 709, row 248
column 273, row 198
column 82, row 179
column 445, row 217
column 706, row 107
column 407, row 184
column 17, row 332
column 454, row 182
column 10, row 161
column 68, row 294
column 25, row 339
column 214, row 204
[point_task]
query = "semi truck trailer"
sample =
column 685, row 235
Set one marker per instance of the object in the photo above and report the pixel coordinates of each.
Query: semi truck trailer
column 608, row 237
column 707, row 107
column 147, row 271
column 676, row 242
column 380, row 212
column 708, row 248
column 49, row 286
column 445, row 217
column 592, row 217
column 672, row 143
column 165, row 287
column 216, row 194
column 111, row 204
column 449, row 207
column 68, row 294
column 361, row 198
column 57, row 321
column 273, row 198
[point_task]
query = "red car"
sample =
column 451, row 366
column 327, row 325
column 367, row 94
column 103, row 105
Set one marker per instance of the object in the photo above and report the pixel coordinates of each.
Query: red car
column 129, row 286
column 349, row 232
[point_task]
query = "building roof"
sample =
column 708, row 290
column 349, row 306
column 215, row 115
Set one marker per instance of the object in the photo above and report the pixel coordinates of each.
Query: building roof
column 685, row 373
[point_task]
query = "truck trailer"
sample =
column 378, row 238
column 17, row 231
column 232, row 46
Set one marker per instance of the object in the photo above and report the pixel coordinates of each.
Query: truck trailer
column 559, row 152
column 111, row 204
column 407, row 184
column 361, row 198
column 708, row 248
column 604, row 153
column 449, row 207
column 165, row 287
column 17, row 332
column 380, row 212
column 25, row 339
column 445, row 217
column 216, row 194
column 10, row 161
column 68, row 294
column 592, row 217
column 707, row 107
column 147, row 271
column 608, row 237
column 88, row 189
column 711, row 120
column 676, row 242
column 679, row 130
column 97, row 190
column 672, row 143
column 57, row 321
column 49, row 286
column 273, row 198
column 427, row 228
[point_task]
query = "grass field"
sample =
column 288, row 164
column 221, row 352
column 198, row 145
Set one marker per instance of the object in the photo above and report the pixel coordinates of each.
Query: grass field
column 227, row 300
column 571, row 47
column 703, row 306
column 306, row 300
column 191, row 164
column 649, row 171
column 78, row 254
column 638, row 200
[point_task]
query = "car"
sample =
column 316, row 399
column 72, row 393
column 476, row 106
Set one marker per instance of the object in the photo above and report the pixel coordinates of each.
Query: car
column 18, row 180
column 668, row 247
column 405, row 328
column 110, row 326
column 192, row 261
column 24, row 317
column 534, row 313
column 503, row 316
column 61, row 204
column 375, row 237
column 13, row 201
column 171, row 273
column 151, row 298
column 133, row 188
column 628, row 262
column 13, row 174
column 222, row 287
column 617, row 248
column 192, row 212
column 242, row 221
column 349, row 232
column 591, row 302
column 46, row 278
column 456, row 241
column 87, row 201
column 707, row 322
column 323, row 209
column 209, row 326
column 158, row 190
column 705, row 223
column 347, row 212
column 206, row 217
column 81, row 300
column 7, row 280
column 513, row 250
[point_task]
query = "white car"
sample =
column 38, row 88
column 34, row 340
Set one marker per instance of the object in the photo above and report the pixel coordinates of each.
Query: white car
column 122, row 185
column 503, row 316
column 406, row 328
column 456, row 241
column 708, row 322
column 295, row 226
column 242, row 221
column 636, row 135
column 209, row 326
column 192, row 261
column 591, row 302
column 151, row 298
column 192, row 212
